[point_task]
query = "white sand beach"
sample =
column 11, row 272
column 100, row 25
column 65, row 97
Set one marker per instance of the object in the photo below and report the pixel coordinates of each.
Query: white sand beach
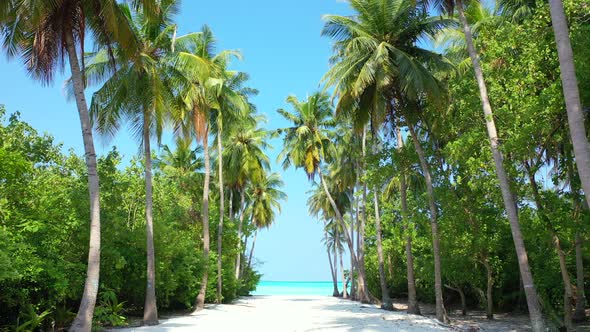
column 294, row 313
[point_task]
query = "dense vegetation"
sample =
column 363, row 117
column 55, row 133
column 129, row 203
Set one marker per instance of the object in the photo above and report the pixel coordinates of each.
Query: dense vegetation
column 407, row 167
column 433, row 200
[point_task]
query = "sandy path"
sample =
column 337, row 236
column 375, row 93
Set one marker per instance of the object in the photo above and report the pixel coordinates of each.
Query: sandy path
column 294, row 313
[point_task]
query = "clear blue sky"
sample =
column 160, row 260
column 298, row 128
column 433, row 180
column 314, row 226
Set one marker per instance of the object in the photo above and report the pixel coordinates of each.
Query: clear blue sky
column 283, row 53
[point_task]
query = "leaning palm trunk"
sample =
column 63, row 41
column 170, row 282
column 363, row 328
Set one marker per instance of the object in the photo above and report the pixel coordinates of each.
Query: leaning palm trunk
column 344, row 288
column 83, row 320
column 533, row 303
column 252, row 250
column 385, row 299
column 240, row 226
column 413, row 307
column 200, row 302
column 565, row 277
column 573, row 105
column 150, row 310
column 221, row 209
column 361, row 281
column 441, row 313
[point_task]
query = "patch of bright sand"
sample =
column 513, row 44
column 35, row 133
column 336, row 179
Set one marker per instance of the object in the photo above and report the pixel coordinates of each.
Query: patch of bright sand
column 294, row 313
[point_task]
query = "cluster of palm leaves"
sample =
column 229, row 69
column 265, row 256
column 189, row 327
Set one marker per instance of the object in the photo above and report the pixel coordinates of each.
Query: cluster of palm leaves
column 149, row 80
column 383, row 78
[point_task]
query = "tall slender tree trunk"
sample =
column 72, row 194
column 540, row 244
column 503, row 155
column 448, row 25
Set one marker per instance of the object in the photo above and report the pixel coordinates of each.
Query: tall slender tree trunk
column 240, row 226
column 580, row 312
column 352, row 267
column 344, row 288
column 83, row 320
column 150, row 309
column 252, row 250
column 362, row 289
column 200, row 302
column 534, row 306
column 441, row 313
column 221, row 209
column 573, row 105
column 231, row 205
column 339, row 218
column 413, row 307
column 385, row 299
column 565, row 278
column 335, row 292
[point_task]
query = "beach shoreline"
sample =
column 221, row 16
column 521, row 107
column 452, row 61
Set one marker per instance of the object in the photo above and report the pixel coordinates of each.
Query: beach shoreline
column 294, row 313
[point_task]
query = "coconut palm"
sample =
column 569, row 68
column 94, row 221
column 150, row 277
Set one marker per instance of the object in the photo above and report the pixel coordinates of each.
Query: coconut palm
column 44, row 34
column 233, row 106
column 533, row 303
column 319, row 206
column 520, row 9
column 265, row 199
column 378, row 63
column 306, row 144
column 334, row 242
column 197, row 60
column 245, row 162
column 137, row 93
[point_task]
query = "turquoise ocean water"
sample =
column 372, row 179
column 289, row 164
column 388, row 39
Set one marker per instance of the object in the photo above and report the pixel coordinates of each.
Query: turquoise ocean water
column 295, row 288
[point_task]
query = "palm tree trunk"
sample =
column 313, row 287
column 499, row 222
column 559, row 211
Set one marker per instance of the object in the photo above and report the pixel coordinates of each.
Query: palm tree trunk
column 231, row 205
column 385, row 299
column 352, row 267
column 575, row 115
column 200, row 302
column 344, row 288
column 568, row 294
column 252, row 250
column 240, row 225
column 533, row 303
column 332, row 273
column 580, row 312
column 441, row 313
column 221, row 209
column 336, row 292
column 413, row 307
column 361, row 280
column 83, row 320
column 362, row 289
column 150, row 309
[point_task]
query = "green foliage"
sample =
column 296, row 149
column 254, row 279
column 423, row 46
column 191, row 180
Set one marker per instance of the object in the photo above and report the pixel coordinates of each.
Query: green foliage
column 44, row 238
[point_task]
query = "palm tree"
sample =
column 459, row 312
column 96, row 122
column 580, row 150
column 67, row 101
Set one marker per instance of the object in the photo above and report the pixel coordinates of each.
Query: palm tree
column 137, row 92
column 307, row 144
column 44, row 34
column 573, row 104
column 232, row 100
column 334, row 242
column 319, row 206
column 264, row 204
column 202, row 68
column 509, row 202
column 245, row 162
column 377, row 63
